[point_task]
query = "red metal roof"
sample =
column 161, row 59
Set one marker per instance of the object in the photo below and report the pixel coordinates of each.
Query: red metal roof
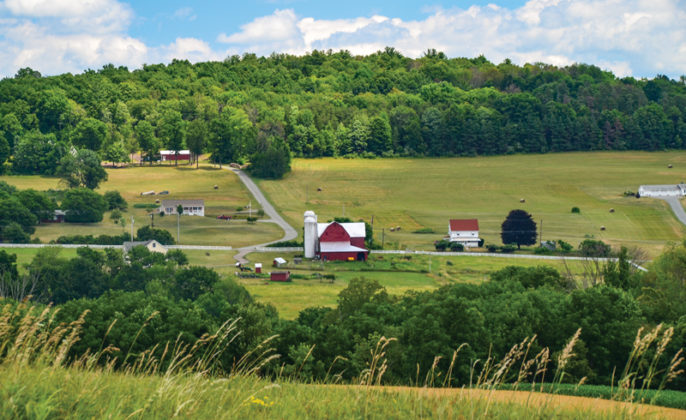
column 464, row 224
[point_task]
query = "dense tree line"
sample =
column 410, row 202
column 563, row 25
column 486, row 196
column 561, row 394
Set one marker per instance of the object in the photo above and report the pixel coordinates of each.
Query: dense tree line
column 166, row 300
column 335, row 104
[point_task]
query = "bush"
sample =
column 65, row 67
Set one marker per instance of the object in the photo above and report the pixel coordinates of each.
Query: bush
column 285, row 244
column 251, row 219
column 162, row 236
column 564, row 246
column 442, row 245
column 14, row 233
column 492, row 248
column 424, row 230
column 456, row 247
column 542, row 251
column 115, row 200
column 145, row 206
column 594, row 248
column 508, row 249
column 576, row 210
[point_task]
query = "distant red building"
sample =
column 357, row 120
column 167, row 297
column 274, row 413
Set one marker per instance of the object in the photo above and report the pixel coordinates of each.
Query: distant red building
column 341, row 241
column 280, row 276
column 167, row 155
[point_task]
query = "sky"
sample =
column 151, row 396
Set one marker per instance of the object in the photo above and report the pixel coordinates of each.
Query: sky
column 640, row 38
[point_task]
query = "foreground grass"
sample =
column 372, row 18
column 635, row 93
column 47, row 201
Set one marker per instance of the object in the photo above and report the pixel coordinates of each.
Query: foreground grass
column 182, row 182
column 425, row 193
column 55, row 392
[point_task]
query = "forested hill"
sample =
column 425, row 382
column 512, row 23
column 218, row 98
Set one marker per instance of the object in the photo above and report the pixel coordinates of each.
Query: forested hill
column 325, row 104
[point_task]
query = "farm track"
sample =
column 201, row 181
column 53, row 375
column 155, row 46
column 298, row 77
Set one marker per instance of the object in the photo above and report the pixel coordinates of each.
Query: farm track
column 562, row 403
column 269, row 210
column 677, row 208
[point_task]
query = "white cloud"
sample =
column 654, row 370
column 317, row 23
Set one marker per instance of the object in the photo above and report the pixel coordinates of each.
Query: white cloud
column 185, row 13
column 629, row 37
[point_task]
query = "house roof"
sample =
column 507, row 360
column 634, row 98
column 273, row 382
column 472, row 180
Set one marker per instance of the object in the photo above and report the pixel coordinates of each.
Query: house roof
column 174, row 203
column 173, row 152
column 129, row 245
column 463, row 224
column 355, row 230
column 339, row 247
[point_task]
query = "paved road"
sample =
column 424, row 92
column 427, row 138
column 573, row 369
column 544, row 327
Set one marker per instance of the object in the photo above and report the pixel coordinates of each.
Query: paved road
column 677, row 208
column 269, row 210
column 186, row 247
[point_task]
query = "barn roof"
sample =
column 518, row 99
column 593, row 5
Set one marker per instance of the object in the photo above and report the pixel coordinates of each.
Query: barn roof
column 355, row 230
column 463, row 224
column 339, row 247
column 173, row 152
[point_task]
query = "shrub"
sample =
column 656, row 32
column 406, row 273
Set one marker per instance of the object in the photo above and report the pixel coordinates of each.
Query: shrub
column 576, row 210
column 594, row 248
column 456, row 247
column 507, row 249
column 160, row 235
column 492, row 248
column 442, row 245
column 115, row 200
column 424, row 230
column 145, row 206
column 564, row 246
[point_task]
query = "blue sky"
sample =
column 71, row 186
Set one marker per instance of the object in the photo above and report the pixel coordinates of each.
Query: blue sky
column 640, row 38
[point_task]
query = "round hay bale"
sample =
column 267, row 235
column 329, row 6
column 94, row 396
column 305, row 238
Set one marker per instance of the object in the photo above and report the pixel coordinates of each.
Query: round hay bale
column 612, row 210
column 392, row 229
column 669, row 166
column 521, row 200
column 602, row 228
column 216, row 187
column 319, row 190
column 157, row 201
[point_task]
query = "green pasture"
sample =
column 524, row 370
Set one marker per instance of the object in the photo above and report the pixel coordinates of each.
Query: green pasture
column 395, row 272
column 183, row 182
column 426, row 193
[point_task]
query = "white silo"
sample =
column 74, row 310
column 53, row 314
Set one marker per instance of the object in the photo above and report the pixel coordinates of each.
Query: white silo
column 310, row 235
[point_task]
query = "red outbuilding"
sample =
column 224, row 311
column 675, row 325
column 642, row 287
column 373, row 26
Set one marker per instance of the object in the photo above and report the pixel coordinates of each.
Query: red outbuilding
column 280, row 276
column 170, row 155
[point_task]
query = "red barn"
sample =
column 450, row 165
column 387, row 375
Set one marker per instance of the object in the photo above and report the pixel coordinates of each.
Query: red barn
column 342, row 241
column 280, row 276
column 167, row 155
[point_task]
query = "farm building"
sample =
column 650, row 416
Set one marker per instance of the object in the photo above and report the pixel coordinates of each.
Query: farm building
column 464, row 231
column 278, row 262
column 280, row 276
column 190, row 207
column 677, row 190
column 152, row 245
column 334, row 241
column 172, row 155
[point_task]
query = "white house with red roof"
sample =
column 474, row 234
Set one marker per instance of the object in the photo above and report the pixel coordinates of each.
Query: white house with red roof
column 464, row 231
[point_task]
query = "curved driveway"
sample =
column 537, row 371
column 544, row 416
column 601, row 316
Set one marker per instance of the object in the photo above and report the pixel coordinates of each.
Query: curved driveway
column 677, row 208
column 269, row 210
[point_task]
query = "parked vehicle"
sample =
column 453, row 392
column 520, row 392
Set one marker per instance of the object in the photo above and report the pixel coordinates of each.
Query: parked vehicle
column 224, row 217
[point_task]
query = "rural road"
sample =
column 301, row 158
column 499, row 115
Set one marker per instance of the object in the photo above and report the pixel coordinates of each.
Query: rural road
column 269, row 210
column 677, row 208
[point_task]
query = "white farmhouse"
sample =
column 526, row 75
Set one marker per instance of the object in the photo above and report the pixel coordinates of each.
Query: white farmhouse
column 190, row 207
column 464, row 231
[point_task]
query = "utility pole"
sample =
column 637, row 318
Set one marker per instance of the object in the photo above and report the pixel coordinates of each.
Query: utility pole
column 131, row 228
column 178, row 227
column 383, row 231
column 152, row 219
column 540, row 237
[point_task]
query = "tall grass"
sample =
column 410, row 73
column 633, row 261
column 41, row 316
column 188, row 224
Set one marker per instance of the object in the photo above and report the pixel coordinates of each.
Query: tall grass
column 38, row 379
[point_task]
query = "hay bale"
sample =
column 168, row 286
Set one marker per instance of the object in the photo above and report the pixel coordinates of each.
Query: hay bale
column 612, row 210
column 521, row 200
column 602, row 228
column 669, row 166
column 392, row 229
column 319, row 190
column 216, row 187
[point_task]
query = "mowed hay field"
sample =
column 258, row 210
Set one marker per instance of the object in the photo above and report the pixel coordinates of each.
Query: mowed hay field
column 426, row 193
column 183, row 182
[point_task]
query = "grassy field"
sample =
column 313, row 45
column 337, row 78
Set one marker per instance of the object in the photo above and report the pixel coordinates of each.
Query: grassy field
column 426, row 193
column 182, row 183
column 395, row 272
